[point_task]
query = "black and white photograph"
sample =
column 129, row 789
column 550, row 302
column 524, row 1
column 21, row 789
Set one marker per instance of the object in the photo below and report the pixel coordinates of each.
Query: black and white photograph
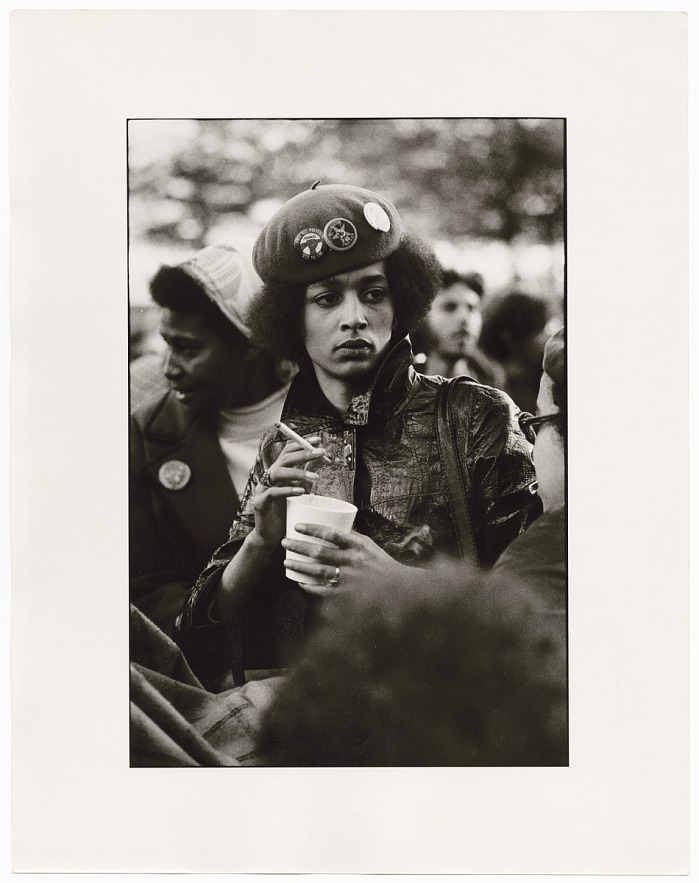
column 349, row 443
column 347, row 459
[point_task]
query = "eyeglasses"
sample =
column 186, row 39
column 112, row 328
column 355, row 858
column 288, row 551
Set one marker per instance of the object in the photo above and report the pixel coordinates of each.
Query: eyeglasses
column 528, row 423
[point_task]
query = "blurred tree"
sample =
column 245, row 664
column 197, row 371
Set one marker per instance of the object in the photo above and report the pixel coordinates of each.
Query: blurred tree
column 451, row 178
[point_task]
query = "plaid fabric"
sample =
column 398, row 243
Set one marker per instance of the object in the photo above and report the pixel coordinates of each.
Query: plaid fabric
column 175, row 721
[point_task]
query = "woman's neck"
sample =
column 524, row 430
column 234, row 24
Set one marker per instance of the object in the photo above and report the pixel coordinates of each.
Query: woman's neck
column 339, row 392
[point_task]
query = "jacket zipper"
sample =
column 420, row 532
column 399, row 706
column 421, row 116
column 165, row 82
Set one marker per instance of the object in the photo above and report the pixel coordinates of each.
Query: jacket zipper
column 349, row 448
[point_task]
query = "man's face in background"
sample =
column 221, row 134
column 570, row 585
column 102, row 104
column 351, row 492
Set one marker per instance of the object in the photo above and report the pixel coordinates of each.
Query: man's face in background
column 455, row 320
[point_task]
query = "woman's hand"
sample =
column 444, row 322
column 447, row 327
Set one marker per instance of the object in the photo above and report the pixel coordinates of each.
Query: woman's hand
column 286, row 477
column 354, row 561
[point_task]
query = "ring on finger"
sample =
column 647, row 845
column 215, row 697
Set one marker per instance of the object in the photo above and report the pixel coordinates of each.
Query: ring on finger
column 333, row 581
column 265, row 479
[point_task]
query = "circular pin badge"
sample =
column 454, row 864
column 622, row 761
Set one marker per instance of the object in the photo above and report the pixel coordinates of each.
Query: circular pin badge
column 377, row 217
column 174, row 475
column 340, row 234
column 309, row 244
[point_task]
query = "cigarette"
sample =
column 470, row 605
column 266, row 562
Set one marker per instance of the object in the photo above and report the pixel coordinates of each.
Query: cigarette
column 294, row 436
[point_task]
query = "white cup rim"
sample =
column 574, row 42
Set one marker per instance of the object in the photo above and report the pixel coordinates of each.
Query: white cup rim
column 318, row 501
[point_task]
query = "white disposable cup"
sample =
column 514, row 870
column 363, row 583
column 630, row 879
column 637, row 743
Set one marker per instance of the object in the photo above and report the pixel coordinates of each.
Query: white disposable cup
column 314, row 509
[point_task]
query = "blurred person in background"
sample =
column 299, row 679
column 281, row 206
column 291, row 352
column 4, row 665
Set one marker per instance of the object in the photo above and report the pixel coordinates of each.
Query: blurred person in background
column 447, row 342
column 514, row 333
column 146, row 379
column 140, row 343
column 344, row 285
column 193, row 445
column 467, row 673
column 538, row 556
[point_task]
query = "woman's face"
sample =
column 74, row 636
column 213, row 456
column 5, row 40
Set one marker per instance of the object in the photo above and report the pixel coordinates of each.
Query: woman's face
column 455, row 320
column 202, row 368
column 347, row 323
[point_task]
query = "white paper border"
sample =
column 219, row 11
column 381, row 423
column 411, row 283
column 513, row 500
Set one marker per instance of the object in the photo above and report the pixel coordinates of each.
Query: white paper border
column 620, row 806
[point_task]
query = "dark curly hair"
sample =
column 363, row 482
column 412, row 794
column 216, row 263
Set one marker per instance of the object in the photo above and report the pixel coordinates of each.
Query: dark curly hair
column 474, row 281
column 513, row 317
column 470, row 672
column 414, row 277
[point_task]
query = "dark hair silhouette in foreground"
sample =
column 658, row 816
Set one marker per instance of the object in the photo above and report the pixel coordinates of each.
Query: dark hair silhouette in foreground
column 470, row 673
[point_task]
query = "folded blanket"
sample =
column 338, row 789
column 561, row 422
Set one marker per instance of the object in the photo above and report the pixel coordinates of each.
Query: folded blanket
column 175, row 721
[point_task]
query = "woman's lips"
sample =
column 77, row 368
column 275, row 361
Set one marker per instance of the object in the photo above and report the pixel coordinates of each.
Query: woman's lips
column 354, row 345
column 354, row 350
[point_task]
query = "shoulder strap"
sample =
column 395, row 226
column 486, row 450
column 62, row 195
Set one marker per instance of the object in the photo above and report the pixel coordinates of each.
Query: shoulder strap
column 457, row 479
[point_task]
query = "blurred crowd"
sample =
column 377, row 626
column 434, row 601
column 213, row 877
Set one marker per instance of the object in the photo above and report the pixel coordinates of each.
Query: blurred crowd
column 435, row 632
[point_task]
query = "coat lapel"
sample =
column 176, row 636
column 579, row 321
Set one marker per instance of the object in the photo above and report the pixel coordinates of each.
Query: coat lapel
column 207, row 503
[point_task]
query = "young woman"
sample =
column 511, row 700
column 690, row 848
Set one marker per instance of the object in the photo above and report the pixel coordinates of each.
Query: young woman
column 344, row 285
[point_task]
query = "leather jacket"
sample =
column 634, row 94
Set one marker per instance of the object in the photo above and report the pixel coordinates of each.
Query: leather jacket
column 386, row 461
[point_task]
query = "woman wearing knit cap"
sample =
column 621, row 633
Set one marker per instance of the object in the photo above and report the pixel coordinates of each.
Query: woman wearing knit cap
column 344, row 285
column 193, row 443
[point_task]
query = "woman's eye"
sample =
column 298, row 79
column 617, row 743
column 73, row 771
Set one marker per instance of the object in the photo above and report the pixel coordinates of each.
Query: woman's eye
column 328, row 299
column 373, row 295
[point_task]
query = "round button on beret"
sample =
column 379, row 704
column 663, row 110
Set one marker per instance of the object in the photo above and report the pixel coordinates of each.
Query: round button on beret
column 329, row 229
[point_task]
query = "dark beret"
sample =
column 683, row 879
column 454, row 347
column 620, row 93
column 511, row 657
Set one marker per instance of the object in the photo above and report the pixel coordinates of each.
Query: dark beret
column 324, row 231
column 554, row 358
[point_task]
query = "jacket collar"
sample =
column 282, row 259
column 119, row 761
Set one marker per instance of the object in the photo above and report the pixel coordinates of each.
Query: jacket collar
column 170, row 421
column 390, row 390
